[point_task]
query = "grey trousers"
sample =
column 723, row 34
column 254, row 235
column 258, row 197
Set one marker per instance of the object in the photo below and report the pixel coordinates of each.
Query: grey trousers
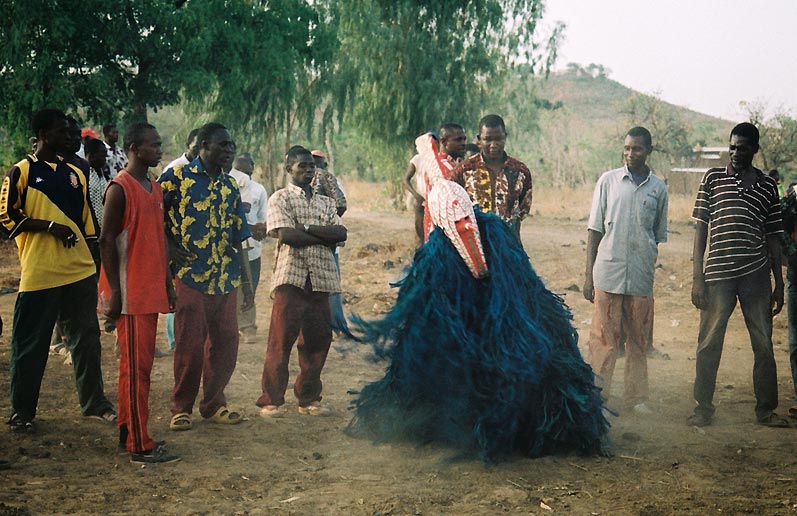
column 753, row 292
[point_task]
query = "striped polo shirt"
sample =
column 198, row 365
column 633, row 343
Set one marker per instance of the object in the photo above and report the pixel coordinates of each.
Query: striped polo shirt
column 739, row 220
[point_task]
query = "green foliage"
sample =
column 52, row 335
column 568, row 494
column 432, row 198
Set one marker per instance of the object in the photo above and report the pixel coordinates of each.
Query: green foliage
column 778, row 137
column 407, row 66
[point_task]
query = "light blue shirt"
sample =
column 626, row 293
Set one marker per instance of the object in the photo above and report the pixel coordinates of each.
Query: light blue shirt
column 633, row 221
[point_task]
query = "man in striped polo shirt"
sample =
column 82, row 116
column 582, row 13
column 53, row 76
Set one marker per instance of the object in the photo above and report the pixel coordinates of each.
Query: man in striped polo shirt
column 739, row 207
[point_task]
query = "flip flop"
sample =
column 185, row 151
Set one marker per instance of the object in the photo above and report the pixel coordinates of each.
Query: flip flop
column 224, row 416
column 793, row 412
column 108, row 417
column 181, row 421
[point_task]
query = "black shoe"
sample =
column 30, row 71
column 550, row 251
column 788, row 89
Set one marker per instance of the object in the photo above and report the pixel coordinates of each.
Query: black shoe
column 121, row 448
column 20, row 426
column 157, row 455
column 698, row 419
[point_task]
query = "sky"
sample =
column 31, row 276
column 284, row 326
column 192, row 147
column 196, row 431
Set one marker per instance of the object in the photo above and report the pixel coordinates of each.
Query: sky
column 707, row 55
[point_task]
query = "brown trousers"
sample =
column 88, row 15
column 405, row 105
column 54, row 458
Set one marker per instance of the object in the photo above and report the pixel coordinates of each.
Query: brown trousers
column 613, row 315
column 296, row 310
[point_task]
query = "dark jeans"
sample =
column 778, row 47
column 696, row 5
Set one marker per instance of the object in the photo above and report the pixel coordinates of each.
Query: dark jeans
column 791, row 313
column 753, row 292
column 35, row 313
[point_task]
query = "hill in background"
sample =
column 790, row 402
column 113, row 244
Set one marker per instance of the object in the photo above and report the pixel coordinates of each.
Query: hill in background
column 580, row 134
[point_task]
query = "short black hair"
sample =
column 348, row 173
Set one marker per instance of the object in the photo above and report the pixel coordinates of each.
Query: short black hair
column 641, row 132
column 293, row 153
column 206, row 131
column 492, row 121
column 449, row 128
column 191, row 137
column 93, row 145
column 107, row 128
column 746, row 130
column 134, row 134
column 72, row 121
column 44, row 119
column 471, row 148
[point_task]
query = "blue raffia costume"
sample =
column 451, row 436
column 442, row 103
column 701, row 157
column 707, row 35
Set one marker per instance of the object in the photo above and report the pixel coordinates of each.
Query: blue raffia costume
column 487, row 364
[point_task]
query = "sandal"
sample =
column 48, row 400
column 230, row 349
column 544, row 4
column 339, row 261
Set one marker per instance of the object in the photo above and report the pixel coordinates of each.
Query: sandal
column 181, row 421
column 109, row 417
column 793, row 412
column 224, row 416
column 774, row 421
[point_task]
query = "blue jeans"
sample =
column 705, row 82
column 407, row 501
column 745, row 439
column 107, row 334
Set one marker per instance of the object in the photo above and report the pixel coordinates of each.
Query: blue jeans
column 753, row 292
column 791, row 313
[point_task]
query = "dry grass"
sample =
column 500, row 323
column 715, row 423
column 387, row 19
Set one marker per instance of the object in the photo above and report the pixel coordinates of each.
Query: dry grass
column 560, row 203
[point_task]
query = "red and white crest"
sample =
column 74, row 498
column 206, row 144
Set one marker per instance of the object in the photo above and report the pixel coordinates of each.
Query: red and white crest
column 452, row 211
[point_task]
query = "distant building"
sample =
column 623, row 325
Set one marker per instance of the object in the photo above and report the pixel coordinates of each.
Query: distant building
column 686, row 180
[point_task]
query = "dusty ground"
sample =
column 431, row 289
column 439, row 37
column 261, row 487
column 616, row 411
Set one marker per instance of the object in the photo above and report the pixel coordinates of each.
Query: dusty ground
column 307, row 466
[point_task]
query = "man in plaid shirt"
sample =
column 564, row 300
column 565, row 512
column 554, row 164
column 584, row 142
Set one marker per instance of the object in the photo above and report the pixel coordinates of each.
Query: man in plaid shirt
column 308, row 229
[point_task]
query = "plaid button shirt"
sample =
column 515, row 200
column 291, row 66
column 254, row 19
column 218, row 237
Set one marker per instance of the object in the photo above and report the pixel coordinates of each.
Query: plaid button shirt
column 292, row 265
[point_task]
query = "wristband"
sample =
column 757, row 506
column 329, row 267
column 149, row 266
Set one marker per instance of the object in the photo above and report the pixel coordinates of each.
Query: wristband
column 49, row 227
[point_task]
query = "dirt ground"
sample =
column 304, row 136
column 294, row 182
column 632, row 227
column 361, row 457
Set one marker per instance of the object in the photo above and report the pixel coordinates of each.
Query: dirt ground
column 307, row 466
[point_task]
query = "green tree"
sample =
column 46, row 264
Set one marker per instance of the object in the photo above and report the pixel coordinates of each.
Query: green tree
column 406, row 66
column 670, row 131
column 778, row 135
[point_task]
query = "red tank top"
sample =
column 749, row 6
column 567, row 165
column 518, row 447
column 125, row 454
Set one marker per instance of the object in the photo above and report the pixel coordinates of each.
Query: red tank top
column 142, row 250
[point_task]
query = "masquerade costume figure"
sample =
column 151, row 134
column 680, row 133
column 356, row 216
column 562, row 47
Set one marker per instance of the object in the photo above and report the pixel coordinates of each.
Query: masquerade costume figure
column 482, row 356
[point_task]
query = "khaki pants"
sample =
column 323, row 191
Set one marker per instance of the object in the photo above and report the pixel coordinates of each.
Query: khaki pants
column 613, row 315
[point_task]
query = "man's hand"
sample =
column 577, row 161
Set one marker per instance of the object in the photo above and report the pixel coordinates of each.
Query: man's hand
column 249, row 297
column 114, row 309
column 776, row 300
column 589, row 290
column 180, row 256
column 64, row 234
column 699, row 293
column 258, row 231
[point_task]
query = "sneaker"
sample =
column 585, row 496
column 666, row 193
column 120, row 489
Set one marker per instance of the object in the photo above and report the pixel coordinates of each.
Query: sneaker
column 315, row 409
column 161, row 354
column 121, row 446
column 642, row 409
column 20, row 426
column 698, row 419
column 272, row 411
column 157, row 455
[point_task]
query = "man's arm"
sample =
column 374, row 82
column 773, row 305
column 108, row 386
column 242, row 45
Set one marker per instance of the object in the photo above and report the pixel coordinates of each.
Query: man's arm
column 776, row 301
column 246, row 278
column 698, row 277
column 15, row 221
column 593, row 241
column 112, row 215
column 407, row 182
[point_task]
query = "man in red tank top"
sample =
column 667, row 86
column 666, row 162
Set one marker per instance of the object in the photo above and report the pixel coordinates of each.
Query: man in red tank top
column 135, row 285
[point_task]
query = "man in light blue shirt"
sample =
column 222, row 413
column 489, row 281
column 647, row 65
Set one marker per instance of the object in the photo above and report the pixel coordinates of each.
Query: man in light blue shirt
column 627, row 222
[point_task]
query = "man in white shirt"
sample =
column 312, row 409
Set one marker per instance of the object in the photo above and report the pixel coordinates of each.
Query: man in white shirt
column 255, row 201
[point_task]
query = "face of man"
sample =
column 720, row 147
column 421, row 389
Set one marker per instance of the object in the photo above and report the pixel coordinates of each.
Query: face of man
column 74, row 139
column 112, row 136
column 302, row 170
column 193, row 149
column 218, row 151
column 245, row 166
column 57, row 137
column 453, row 143
column 635, row 152
column 97, row 159
column 149, row 151
column 491, row 142
column 742, row 152
column 320, row 162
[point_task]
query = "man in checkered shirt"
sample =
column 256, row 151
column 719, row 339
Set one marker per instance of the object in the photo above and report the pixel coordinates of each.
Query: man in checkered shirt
column 308, row 229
